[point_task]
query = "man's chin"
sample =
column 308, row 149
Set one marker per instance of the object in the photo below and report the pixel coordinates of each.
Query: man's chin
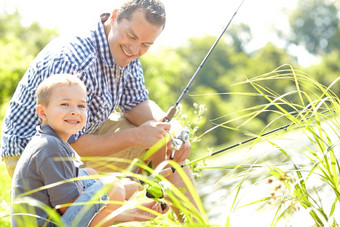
column 124, row 61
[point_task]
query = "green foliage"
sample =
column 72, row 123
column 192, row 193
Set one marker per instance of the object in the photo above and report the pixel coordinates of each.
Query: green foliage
column 215, row 86
column 19, row 45
column 328, row 70
column 5, row 182
column 240, row 35
column 315, row 25
column 243, row 94
column 286, row 176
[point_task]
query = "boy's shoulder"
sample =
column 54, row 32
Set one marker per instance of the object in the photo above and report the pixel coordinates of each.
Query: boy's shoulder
column 37, row 151
column 45, row 143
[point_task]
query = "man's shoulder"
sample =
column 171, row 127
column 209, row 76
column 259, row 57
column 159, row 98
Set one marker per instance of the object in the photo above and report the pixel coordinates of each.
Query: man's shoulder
column 78, row 51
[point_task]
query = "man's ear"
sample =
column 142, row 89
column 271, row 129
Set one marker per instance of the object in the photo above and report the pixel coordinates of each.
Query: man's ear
column 41, row 112
column 113, row 16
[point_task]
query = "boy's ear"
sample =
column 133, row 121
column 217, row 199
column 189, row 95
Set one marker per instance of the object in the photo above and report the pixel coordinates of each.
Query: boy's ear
column 41, row 112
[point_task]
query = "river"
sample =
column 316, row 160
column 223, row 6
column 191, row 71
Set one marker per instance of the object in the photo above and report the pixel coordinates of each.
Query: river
column 218, row 190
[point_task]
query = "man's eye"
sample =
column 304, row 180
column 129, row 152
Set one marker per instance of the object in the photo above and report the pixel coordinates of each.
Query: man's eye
column 146, row 45
column 82, row 106
column 64, row 104
column 131, row 37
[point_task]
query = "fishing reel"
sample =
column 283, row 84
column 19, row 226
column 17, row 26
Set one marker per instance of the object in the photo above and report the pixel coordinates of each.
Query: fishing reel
column 157, row 191
column 179, row 141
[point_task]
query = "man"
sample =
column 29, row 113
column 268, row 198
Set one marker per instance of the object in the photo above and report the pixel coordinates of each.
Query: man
column 107, row 60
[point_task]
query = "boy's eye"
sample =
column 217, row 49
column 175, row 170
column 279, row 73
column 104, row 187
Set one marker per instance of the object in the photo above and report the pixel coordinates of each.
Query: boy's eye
column 64, row 104
column 82, row 106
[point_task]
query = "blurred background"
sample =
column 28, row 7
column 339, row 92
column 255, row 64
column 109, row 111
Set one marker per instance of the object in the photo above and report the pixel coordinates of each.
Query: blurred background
column 264, row 35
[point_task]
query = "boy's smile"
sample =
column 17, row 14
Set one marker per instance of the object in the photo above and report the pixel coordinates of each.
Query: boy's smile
column 66, row 110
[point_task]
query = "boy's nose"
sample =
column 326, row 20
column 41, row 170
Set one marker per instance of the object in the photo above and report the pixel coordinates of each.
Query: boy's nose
column 74, row 111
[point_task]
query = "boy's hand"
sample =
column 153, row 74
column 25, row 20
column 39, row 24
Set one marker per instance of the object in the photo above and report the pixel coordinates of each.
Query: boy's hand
column 131, row 187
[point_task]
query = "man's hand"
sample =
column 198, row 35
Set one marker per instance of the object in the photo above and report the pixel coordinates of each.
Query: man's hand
column 151, row 132
column 180, row 155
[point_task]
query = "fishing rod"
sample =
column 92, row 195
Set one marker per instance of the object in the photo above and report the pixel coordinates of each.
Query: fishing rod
column 172, row 111
column 168, row 171
column 155, row 190
column 184, row 134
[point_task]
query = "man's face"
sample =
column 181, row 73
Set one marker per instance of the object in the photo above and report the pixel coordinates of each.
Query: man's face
column 129, row 40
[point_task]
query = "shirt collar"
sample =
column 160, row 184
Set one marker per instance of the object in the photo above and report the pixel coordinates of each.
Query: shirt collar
column 47, row 130
column 103, row 45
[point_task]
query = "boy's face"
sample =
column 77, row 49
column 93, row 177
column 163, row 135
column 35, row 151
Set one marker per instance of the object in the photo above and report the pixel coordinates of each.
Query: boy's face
column 129, row 40
column 66, row 111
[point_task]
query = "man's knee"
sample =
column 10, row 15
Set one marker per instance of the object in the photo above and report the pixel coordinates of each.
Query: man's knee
column 113, row 124
column 11, row 163
column 116, row 122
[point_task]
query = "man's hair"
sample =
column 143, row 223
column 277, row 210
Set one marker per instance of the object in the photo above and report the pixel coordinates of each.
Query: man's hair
column 154, row 11
column 45, row 88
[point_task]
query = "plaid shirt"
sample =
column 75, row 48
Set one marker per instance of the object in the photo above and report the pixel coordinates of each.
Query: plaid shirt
column 90, row 57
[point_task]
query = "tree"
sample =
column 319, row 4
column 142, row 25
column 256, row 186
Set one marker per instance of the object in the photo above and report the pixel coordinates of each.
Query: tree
column 241, row 36
column 315, row 25
column 19, row 45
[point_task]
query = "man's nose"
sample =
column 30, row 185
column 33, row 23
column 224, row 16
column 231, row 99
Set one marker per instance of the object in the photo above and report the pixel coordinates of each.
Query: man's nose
column 134, row 48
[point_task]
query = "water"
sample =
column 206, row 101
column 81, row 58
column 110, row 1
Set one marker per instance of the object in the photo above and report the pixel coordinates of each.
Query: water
column 218, row 188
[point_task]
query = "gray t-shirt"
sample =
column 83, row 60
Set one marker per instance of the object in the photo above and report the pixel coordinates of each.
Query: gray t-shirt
column 46, row 160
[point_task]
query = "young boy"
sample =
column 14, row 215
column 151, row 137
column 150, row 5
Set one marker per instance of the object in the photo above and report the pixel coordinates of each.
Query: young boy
column 44, row 176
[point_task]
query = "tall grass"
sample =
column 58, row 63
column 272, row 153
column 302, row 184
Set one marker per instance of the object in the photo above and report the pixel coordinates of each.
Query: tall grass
column 303, row 174
column 305, row 170
column 5, row 183
column 316, row 110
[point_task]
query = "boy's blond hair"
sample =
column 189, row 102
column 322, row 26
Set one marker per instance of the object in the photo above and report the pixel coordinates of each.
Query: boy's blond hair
column 46, row 87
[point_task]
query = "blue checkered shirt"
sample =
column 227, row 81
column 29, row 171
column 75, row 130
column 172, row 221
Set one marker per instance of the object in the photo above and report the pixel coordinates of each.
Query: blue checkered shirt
column 88, row 56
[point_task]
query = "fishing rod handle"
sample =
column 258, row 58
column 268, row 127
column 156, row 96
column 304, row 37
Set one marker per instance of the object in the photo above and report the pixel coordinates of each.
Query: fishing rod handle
column 167, row 172
column 170, row 114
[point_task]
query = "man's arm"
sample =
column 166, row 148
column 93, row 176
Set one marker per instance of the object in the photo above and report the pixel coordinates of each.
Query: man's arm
column 105, row 145
column 145, row 111
column 148, row 110
column 146, row 135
